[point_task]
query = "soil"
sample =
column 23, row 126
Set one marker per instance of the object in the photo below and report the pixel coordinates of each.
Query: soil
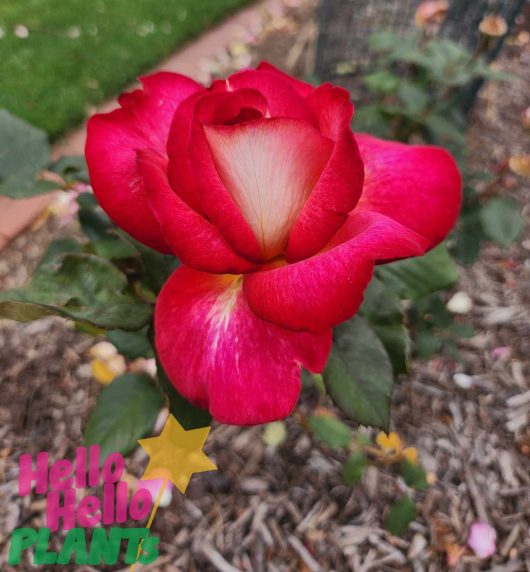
column 286, row 508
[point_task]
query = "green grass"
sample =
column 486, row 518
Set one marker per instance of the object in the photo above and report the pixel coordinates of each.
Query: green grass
column 79, row 52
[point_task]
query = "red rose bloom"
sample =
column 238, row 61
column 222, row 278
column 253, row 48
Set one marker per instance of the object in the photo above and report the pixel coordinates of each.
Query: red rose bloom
column 278, row 213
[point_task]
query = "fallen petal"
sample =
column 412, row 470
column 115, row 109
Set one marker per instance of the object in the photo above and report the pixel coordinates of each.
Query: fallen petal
column 481, row 539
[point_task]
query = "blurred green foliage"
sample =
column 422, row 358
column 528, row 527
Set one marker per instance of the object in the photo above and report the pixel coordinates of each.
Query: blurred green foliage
column 416, row 89
column 58, row 57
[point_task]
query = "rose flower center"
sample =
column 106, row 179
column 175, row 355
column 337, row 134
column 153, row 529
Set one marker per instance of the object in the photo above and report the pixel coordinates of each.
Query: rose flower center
column 269, row 166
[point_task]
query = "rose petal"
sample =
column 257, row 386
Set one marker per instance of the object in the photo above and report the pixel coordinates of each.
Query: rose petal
column 192, row 238
column 112, row 140
column 327, row 289
column 221, row 356
column 304, row 89
column 180, row 173
column 417, row 186
column 283, row 99
column 341, row 183
column 269, row 167
column 205, row 107
column 224, row 108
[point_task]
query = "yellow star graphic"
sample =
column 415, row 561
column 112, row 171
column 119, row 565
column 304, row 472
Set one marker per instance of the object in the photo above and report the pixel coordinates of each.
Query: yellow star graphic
column 176, row 454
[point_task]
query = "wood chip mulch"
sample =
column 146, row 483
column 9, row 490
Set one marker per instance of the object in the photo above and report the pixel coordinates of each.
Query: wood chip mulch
column 287, row 509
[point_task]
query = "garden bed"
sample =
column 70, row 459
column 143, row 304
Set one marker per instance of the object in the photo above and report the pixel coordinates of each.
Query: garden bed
column 287, row 508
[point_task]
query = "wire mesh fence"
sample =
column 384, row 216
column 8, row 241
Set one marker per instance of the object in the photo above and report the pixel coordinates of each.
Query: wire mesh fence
column 345, row 25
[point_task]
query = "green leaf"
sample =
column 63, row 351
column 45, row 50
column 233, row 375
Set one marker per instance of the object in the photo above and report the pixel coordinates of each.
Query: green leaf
column 23, row 312
column 109, row 241
column 24, row 151
column 71, row 168
column 501, row 220
column 426, row 344
column 462, row 329
column 383, row 41
column 468, row 237
column 353, row 469
column 370, row 119
column 79, row 287
column 89, row 329
column 452, row 65
column 452, row 350
column 414, row 475
column 416, row 277
column 382, row 308
column 362, row 439
column 28, row 312
column 381, row 305
column 125, row 411
column 400, row 515
column 442, row 131
column 132, row 345
column 359, row 375
column 396, row 339
column 413, row 97
column 312, row 381
column 331, row 431
column 57, row 248
column 382, row 81
column 101, row 231
column 157, row 267
column 432, row 310
column 396, row 47
column 449, row 63
column 21, row 187
column 189, row 416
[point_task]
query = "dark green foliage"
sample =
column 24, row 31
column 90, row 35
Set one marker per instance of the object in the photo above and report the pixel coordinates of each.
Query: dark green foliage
column 24, row 151
column 125, row 411
column 78, row 286
column 359, row 375
column 331, row 431
column 353, row 468
column 400, row 515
